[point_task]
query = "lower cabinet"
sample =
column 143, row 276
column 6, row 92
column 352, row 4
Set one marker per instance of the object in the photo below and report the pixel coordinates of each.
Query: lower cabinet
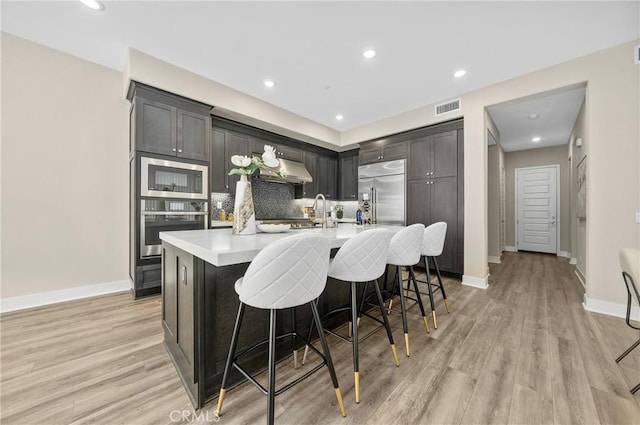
column 436, row 193
column 432, row 201
column 178, row 310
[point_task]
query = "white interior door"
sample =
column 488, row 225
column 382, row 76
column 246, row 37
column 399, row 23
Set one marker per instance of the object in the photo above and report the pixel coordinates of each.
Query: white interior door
column 537, row 228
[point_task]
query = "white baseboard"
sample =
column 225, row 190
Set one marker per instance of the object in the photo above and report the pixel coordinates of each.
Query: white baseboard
column 573, row 261
column 53, row 297
column 581, row 279
column 495, row 260
column 475, row 282
column 564, row 254
column 511, row 248
column 610, row 309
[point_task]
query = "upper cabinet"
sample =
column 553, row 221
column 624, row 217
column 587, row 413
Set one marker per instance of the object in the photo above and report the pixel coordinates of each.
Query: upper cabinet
column 170, row 125
column 282, row 150
column 348, row 176
column 380, row 151
column 433, row 156
column 224, row 145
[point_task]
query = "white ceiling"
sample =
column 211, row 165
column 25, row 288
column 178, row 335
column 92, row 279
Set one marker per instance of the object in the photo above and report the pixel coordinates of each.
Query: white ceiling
column 314, row 50
column 557, row 112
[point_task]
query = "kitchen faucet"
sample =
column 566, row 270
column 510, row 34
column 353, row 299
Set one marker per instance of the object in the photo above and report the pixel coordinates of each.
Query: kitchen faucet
column 323, row 220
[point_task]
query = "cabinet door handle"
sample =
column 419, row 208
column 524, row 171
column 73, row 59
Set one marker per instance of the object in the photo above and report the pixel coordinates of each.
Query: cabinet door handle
column 432, row 173
column 180, row 151
column 173, row 150
column 183, row 271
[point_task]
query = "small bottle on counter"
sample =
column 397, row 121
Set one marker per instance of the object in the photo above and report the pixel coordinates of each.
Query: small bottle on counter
column 359, row 216
column 230, row 216
column 222, row 215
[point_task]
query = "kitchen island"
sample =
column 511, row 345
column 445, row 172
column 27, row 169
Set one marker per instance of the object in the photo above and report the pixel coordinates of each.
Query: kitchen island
column 199, row 303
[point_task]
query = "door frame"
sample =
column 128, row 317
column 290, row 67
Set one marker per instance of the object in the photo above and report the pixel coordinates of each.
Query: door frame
column 558, row 209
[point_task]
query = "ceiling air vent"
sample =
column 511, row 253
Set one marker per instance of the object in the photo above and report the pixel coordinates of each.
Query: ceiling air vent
column 636, row 55
column 445, row 108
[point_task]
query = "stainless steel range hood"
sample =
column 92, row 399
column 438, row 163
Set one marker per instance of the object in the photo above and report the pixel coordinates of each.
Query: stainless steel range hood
column 294, row 172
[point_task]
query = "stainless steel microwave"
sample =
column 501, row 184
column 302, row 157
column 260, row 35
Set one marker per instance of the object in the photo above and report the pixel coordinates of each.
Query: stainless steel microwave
column 161, row 178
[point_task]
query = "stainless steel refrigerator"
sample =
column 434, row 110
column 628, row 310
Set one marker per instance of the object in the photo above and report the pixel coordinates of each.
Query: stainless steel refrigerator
column 384, row 185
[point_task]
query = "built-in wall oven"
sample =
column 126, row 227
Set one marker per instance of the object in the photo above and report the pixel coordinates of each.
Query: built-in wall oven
column 166, row 216
column 173, row 196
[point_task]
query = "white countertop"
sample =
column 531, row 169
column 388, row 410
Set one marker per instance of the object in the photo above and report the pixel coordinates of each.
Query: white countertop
column 220, row 248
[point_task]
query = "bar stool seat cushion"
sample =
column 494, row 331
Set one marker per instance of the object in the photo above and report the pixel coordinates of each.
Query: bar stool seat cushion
column 406, row 246
column 433, row 240
column 362, row 258
column 286, row 273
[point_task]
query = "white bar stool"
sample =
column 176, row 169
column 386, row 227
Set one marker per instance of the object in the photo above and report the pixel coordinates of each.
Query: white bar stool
column 285, row 274
column 404, row 251
column 432, row 246
column 362, row 259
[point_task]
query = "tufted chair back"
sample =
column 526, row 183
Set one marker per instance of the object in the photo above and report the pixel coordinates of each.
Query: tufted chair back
column 406, row 246
column 362, row 258
column 433, row 241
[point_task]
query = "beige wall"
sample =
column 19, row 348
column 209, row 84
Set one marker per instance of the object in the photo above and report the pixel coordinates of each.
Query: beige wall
column 80, row 110
column 613, row 98
column 64, row 171
column 556, row 155
column 578, row 225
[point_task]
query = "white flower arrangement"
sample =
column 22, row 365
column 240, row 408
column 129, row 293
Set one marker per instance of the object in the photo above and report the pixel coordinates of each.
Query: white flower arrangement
column 247, row 166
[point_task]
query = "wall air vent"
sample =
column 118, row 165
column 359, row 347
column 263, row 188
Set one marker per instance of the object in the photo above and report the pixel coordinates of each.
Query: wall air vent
column 445, row 108
column 636, row 55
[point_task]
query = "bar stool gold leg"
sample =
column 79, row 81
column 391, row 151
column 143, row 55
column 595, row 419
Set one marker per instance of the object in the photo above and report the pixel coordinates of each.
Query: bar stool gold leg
column 343, row 410
column 435, row 323
column 395, row 355
column 218, row 411
column 446, row 304
column 426, row 323
column 406, row 344
column 356, row 376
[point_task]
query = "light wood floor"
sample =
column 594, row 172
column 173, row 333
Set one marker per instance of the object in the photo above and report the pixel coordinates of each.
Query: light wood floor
column 522, row 352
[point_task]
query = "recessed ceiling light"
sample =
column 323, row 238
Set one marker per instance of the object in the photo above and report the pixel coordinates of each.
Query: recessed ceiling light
column 536, row 139
column 339, row 117
column 269, row 83
column 533, row 116
column 459, row 73
column 93, row 4
column 369, row 53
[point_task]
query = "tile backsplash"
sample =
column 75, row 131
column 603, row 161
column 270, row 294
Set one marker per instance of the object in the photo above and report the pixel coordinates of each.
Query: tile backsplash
column 273, row 201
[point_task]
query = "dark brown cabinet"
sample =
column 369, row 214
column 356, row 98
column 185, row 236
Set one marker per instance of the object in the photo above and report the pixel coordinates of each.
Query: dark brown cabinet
column 178, row 310
column 309, row 190
column 433, row 156
column 324, row 171
column 168, row 124
column 380, row 151
column 224, row 145
column 435, row 190
column 348, row 178
column 328, row 179
column 282, row 150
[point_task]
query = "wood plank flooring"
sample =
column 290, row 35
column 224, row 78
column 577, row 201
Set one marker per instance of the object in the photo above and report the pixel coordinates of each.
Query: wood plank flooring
column 523, row 351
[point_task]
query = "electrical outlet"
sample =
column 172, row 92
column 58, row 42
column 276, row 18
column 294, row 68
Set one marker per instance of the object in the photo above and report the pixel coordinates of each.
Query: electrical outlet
column 638, row 217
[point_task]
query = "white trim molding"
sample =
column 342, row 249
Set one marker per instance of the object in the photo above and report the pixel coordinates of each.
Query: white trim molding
column 476, row 282
column 610, row 309
column 62, row 295
column 495, row 260
column 564, row 254
column 573, row 261
column 510, row 248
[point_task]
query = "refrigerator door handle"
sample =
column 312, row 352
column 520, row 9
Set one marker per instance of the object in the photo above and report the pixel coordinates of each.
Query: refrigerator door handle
column 374, row 218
